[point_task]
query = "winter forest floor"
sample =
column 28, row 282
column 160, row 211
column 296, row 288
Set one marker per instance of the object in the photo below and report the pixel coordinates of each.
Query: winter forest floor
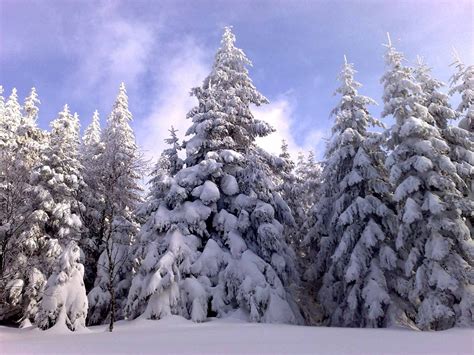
column 175, row 335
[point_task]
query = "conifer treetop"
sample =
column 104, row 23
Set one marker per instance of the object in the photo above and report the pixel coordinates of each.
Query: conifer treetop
column 223, row 118
column 93, row 131
column 120, row 108
column 30, row 108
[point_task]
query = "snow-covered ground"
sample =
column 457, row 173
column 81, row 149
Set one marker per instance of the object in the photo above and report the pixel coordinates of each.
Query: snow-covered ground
column 175, row 335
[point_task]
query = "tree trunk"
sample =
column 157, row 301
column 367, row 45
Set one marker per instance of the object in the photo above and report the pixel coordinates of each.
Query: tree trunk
column 112, row 306
column 111, row 288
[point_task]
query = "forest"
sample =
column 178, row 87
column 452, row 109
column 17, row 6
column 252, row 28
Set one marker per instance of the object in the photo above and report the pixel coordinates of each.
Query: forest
column 379, row 233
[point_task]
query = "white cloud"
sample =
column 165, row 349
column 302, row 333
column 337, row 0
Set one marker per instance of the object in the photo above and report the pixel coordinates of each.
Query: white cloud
column 115, row 49
column 186, row 68
column 280, row 114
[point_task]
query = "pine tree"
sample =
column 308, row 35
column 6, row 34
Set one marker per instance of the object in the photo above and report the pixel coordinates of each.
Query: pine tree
column 30, row 108
column 12, row 114
column 61, row 177
column 168, row 164
column 462, row 82
column 2, row 102
column 21, row 154
column 459, row 140
column 176, row 163
column 286, row 186
column 214, row 244
column 121, row 164
column 358, row 250
column 308, row 183
column 92, row 196
column 433, row 240
column 64, row 302
column 51, row 217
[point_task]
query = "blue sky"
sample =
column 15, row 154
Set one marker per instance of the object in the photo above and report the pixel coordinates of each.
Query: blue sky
column 77, row 52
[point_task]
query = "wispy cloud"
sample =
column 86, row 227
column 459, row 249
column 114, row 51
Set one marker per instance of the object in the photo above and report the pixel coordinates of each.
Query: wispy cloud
column 115, row 50
column 185, row 68
column 280, row 113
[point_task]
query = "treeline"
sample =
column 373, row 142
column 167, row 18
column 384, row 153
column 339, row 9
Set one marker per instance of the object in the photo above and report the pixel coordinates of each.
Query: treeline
column 377, row 234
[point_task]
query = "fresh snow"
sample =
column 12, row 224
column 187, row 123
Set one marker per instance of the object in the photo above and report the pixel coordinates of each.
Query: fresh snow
column 175, row 335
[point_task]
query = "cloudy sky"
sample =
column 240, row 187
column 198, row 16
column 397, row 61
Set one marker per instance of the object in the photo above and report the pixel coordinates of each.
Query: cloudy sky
column 78, row 51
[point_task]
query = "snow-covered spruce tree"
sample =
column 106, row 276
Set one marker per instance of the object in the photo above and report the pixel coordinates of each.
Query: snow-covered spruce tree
column 10, row 197
column 462, row 82
column 92, row 196
column 60, row 176
column 12, row 116
column 287, row 188
column 214, row 244
column 176, row 163
column 64, row 302
column 308, row 182
column 121, row 165
column 299, row 187
column 459, row 140
column 168, row 164
column 433, row 240
column 51, row 218
column 20, row 156
column 359, row 253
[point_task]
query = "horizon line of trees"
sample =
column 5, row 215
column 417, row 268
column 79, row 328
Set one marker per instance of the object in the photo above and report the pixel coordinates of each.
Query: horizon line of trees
column 378, row 234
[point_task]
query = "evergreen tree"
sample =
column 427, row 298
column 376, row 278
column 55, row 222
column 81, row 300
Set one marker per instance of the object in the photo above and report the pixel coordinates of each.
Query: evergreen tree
column 92, row 196
column 308, row 183
column 214, row 244
column 459, row 140
column 358, row 252
column 30, row 108
column 60, row 176
column 64, row 301
column 121, row 166
column 462, row 82
column 286, row 186
column 11, row 115
column 51, row 216
column 168, row 164
column 21, row 153
column 433, row 241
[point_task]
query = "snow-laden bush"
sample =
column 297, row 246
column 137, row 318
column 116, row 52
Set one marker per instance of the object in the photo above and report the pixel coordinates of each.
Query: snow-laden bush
column 64, row 301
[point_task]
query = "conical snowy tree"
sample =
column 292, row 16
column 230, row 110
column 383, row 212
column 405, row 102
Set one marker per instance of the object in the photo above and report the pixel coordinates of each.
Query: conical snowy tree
column 30, row 108
column 2, row 101
column 61, row 177
column 355, row 251
column 121, row 165
column 359, row 251
column 459, row 140
column 214, row 244
column 462, row 82
column 92, row 196
column 21, row 154
column 176, row 163
column 433, row 240
column 308, row 183
column 168, row 164
column 9, row 196
column 52, row 216
column 64, row 302
column 12, row 114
